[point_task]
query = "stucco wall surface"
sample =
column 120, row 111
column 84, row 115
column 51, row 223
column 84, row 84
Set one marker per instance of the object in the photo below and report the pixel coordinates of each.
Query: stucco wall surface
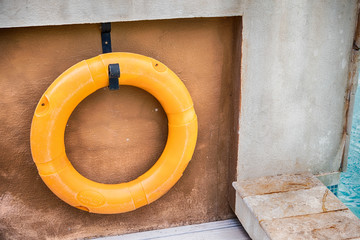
column 115, row 136
column 294, row 81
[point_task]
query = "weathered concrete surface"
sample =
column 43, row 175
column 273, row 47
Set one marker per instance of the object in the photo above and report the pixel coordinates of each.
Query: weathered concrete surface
column 115, row 136
column 293, row 203
column 294, row 82
column 248, row 219
column 307, row 211
column 17, row 13
column 331, row 225
column 276, row 184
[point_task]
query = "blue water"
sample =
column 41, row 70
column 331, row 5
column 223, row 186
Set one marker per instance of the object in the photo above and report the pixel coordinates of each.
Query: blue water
column 349, row 187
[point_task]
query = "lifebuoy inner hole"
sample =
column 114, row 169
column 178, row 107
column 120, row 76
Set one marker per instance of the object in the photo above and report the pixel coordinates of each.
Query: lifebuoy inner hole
column 116, row 136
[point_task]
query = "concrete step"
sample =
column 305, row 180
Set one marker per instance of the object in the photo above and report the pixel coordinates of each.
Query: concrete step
column 295, row 206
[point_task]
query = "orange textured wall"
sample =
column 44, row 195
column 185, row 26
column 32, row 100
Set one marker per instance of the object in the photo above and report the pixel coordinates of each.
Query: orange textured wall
column 115, row 136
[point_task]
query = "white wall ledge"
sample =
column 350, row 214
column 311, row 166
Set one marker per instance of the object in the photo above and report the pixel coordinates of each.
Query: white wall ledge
column 53, row 12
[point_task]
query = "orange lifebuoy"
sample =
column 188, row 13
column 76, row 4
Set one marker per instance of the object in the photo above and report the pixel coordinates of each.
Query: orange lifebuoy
column 68, row 90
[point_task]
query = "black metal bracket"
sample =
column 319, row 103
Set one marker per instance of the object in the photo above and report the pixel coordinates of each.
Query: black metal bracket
column 113, row 69
column 114, row 74
column 106, row 37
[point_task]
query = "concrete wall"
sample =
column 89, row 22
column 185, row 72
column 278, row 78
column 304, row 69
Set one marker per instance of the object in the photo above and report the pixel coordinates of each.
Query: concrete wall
column 293, row 64
column 113, row 137
column 295, row 71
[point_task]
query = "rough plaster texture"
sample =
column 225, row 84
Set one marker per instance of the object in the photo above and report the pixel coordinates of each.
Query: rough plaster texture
column 115, row 136
column 294, row 75
column 299, row 207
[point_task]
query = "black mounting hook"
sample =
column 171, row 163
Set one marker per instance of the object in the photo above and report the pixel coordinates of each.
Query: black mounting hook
column 105, row 37
column 113, row 69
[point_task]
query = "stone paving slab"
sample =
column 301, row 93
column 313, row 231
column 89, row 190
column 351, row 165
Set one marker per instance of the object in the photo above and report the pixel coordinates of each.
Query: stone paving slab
column 295, row 206
column 293, row 203
column 276, row 184
column 329, row 225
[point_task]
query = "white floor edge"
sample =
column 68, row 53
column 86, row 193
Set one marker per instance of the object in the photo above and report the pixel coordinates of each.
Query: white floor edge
column 230, row 229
